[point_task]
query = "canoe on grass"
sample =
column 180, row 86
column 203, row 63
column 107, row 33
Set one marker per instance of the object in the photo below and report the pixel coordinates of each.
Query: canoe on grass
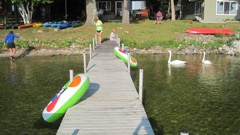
column 37, row 24
column 56, row 24
column 47, row 24
column 25, row 26
column 210, row 31
column 1, row 26
column 64, row 25
column 77, row 24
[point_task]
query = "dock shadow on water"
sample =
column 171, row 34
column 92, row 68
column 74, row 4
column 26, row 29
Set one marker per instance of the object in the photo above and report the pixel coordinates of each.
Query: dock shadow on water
column 141, row 126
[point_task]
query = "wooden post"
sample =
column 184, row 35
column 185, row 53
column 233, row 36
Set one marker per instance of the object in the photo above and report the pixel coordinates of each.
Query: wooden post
column 93, row 43
column 123, row 47
column 90, row 51
column 141, row 85
column 184, row 133
column 84, row 62
column 128, row 54
column 96, row 38
column 118, row 41
column 71, row 75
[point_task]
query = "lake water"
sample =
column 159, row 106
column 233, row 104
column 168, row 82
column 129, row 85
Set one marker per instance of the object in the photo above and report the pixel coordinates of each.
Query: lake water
column 195, row 98
column 203, row 100
column 27, row 85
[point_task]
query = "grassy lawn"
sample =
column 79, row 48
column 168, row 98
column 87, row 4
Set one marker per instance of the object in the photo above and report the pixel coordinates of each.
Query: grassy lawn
column 140, row 34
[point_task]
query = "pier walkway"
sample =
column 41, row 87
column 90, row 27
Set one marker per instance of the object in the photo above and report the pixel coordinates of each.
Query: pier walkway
column 111, row 105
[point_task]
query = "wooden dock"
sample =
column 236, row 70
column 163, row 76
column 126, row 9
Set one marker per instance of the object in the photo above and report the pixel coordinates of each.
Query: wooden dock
column 111, row 105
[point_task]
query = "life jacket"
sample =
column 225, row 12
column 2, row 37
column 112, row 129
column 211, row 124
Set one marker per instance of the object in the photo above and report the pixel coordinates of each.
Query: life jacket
column 159, row 14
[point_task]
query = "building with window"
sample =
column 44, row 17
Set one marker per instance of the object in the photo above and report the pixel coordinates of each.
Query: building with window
column 211, row 10
column 112, row 9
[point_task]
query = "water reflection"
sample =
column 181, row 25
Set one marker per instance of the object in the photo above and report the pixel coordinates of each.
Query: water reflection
column 199, row 98
column 13, row 66
column 26, row 86
column 177, row 65
column 205, row 68
column 174, row 66
column 207, row 76
column 13, row 73
column 196, row 97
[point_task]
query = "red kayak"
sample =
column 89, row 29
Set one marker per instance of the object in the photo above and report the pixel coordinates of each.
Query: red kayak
column 210, row 31
column 1, row 26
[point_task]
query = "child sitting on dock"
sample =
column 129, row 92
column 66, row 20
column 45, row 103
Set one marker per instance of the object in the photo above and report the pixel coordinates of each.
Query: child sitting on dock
column 113, row 37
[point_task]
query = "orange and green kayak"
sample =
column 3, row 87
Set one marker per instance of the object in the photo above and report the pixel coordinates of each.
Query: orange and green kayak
column 123, row 55
column 66, row 97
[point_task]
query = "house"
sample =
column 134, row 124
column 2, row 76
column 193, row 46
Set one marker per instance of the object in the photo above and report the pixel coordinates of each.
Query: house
column 211, row 10
column 8, row 13
column 113, row 9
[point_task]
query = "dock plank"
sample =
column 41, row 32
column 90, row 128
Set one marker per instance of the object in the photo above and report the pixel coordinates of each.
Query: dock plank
column 110, row 105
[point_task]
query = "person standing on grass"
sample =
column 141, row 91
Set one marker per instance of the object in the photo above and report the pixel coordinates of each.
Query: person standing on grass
column 9, row 40
column 158, row 17
column 99, row 29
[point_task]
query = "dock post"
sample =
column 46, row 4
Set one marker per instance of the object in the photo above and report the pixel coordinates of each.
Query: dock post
column 93, row 43
column 71, row 75
column 90, row 51
column 184, row 133
column 128, row 54
column 118, row 42
column 141, row 85
column 95, row 38
column 84, row 62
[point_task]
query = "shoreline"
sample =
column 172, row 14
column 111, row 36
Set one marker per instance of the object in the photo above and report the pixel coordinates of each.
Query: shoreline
column 226, row 50
column 43, row 52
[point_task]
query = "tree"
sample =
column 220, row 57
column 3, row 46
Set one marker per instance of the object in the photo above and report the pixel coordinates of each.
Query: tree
column 173, row 10
column 91, row 11
column 26, row 7
column 125, row 18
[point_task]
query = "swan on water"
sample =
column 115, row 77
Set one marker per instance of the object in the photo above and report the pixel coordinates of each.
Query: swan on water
column 174, row 61
column 205, row 61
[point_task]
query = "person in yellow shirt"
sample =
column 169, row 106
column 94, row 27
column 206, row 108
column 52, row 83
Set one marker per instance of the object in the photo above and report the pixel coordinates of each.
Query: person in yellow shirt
column 99, row 28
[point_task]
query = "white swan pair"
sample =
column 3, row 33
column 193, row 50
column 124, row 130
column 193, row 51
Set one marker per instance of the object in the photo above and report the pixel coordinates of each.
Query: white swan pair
column 180, row 62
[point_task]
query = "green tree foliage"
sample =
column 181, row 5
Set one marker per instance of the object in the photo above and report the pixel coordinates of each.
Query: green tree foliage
column 25, row 8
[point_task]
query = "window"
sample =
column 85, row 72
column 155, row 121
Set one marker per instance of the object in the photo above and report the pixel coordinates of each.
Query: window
column 198, row 9
column 226, row 7
column 138, row 5
column 104, row 5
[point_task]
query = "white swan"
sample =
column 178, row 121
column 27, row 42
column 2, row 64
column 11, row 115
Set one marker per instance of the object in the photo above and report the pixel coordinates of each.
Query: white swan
column 205, row 61
column 175, row 61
